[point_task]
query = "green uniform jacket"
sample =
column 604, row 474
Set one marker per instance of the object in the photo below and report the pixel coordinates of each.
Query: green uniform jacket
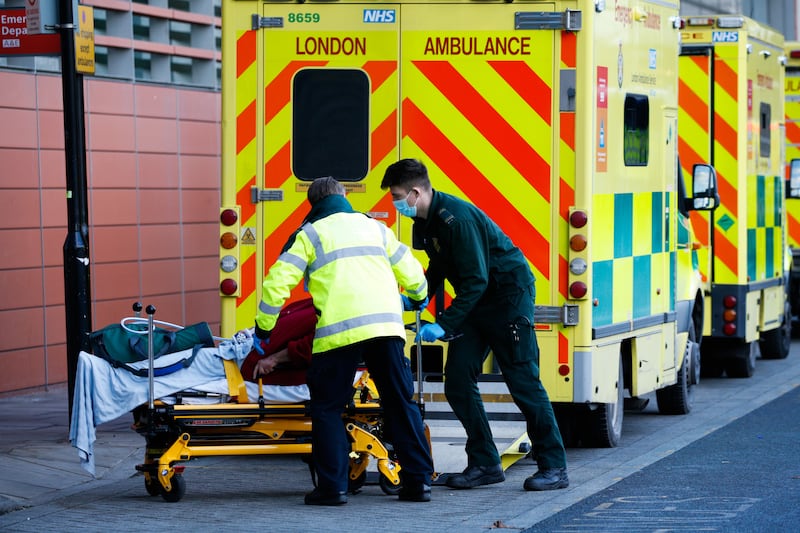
column 468, row 249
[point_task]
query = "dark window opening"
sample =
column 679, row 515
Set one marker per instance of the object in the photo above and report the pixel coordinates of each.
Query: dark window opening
column 636, row 137
column 764, row 136
column 330, row 122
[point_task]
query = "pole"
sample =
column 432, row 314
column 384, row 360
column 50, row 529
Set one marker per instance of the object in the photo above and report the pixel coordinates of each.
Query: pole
column 77, row 298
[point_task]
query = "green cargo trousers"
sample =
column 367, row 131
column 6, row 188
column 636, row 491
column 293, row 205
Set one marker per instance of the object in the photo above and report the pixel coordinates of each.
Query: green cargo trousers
column 502, row 321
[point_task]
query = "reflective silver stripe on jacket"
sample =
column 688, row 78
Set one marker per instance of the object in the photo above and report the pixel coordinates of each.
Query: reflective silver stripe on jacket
column 268, row 309
column 420, row 293
column 398, row 255
column 352, row 323
column 322, row 258
column 294, row 260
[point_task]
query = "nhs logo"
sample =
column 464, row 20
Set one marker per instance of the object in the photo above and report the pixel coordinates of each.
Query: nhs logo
column 379, row 15
column 725, row 37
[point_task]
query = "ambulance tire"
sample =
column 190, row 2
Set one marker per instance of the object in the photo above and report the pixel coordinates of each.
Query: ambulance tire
column 604, row 421
column 741, row 360
column 677, row 399
column 775, row 343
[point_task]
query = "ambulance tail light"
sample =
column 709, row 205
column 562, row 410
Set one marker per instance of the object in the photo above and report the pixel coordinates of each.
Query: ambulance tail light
column 577, row 254
column 729, row 315
column 794, row 54
column 230, row 272
column 577, row 289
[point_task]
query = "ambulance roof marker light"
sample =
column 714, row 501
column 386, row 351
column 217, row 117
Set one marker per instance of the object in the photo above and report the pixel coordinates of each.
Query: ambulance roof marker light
column 730, row 22
column 700, row 21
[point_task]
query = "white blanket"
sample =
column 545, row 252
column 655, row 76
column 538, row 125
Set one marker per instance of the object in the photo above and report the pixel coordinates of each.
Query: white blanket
column 104, row 393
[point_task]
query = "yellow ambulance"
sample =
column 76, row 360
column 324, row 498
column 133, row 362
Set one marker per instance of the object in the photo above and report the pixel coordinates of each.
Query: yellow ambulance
column 557, row 118
column 731, row 115
column 792, row 115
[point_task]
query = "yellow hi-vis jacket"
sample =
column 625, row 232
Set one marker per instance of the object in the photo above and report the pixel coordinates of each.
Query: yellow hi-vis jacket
column 353, row 265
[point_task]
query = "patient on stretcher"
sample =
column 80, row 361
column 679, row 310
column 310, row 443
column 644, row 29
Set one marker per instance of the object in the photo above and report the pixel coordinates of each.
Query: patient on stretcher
column 287, row 355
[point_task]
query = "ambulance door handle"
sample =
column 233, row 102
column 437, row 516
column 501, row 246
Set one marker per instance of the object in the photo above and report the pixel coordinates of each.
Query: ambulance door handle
column 265, row 195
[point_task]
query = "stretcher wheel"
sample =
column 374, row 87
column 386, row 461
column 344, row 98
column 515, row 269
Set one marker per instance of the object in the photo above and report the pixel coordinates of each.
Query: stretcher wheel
column 152, row 486
column 388, row 487
column 178, row 489
column 354, row 485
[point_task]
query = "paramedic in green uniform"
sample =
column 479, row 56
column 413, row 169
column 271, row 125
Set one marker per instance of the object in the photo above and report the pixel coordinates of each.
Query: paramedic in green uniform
column 492, row 308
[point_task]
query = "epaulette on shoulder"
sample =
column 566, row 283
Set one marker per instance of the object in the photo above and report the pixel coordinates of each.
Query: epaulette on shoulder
column 446, row 216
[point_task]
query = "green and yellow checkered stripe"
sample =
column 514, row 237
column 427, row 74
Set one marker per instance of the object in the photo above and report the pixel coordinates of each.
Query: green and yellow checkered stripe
column 631, row 258
column 764, row 233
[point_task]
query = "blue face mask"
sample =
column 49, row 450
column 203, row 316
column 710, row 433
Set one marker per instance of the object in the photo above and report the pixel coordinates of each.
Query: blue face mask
column 404, row 209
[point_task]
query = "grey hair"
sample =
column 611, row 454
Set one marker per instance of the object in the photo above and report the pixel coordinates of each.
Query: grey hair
column 322, row 188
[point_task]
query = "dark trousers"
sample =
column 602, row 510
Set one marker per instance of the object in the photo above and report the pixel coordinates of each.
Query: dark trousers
column 502, row 321
column 330, row 381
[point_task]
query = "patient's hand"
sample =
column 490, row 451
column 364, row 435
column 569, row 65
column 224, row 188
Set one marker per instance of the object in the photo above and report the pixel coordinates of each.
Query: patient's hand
column 267, row 364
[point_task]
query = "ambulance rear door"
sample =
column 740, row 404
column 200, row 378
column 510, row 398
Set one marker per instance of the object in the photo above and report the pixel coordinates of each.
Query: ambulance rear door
column 330, row 90
column 480, row 107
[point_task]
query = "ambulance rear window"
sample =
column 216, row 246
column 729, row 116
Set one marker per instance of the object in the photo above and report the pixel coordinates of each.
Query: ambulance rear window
column 636, row 138
column 764, row 137
column 330, row 124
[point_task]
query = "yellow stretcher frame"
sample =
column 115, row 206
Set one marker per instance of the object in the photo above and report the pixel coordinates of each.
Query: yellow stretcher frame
column 243, row 428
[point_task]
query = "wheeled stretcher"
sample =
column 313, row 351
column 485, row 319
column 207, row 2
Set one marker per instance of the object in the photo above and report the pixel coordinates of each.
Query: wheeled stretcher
column 183, row 425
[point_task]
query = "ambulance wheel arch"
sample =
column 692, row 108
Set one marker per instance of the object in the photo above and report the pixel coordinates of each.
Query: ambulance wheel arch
column 776, row 343
column 604, row 420
column 678, row 399
column 592, row 423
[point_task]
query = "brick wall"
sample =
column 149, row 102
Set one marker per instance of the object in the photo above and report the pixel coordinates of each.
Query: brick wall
column 153, row 176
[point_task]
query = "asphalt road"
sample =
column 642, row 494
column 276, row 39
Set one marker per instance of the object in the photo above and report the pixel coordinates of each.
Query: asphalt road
column 744, row 477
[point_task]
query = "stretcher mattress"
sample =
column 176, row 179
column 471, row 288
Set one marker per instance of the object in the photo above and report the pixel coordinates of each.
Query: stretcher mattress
column 104, row 393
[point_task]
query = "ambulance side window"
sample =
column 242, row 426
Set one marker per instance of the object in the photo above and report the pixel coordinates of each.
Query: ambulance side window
column 636, row 137
column 766, row 116
column 330, row 124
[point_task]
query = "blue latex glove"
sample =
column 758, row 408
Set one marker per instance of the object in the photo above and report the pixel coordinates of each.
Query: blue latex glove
column 430, row 333
column 257, row 346
column 413, row 305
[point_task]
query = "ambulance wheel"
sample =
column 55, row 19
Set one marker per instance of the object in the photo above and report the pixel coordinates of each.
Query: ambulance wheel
column 178, row 489
column 388, row 487
column 775, row 344
column 677, row 399
column 741, row 361
column 152, row 486
column 604, row 420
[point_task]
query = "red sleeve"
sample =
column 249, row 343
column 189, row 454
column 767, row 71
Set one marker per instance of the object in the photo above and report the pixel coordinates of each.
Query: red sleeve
column 300, row 350
column 295, row 331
